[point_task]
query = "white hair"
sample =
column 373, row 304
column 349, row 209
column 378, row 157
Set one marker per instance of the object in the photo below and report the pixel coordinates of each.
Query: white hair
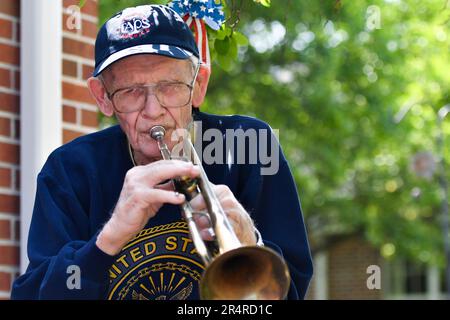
column 195, row 62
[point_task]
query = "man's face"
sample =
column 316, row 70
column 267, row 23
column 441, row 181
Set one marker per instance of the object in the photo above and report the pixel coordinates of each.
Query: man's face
column 149, row 69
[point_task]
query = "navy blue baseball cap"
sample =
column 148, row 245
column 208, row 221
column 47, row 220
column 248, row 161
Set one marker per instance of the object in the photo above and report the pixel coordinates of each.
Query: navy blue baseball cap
column 154, row 29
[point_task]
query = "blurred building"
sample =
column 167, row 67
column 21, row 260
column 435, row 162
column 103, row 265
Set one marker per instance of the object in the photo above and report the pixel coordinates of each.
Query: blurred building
column 46, row 54
column 341, row 272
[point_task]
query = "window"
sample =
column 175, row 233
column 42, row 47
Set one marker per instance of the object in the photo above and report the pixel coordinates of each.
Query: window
column 410, row 280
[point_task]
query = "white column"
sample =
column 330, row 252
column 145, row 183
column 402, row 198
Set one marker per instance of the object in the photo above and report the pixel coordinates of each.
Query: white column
column 321, row 276
column 433, row 283
column 40, row 106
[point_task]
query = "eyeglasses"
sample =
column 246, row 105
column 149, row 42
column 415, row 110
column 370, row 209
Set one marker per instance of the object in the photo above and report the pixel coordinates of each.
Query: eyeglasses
column 169, row 95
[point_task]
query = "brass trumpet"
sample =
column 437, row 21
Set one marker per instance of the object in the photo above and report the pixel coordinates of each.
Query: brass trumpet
column 236, row 272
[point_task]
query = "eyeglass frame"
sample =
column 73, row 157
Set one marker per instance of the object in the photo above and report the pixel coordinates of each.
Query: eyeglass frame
column 191, row 87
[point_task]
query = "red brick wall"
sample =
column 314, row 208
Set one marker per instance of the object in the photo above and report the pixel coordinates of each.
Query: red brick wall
column 79, row 114
column 347, row 263
column 9, row 143
column 79, row 109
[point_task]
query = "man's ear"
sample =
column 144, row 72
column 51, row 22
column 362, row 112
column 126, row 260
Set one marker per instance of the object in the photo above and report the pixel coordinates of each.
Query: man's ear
column 98, row 92
column 201, row 85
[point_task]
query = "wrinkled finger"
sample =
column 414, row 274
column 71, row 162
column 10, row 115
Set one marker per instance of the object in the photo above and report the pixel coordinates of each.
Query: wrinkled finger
column 157, row 196
column 222, row 190
column 165, row 186
column 162, row 170
column 198, row 203
column 207, row 234
column 202, row 220
column 236, row 220
column 233, row 216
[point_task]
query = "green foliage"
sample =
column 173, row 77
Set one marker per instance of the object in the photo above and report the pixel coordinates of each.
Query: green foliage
column 224, row 43
column 335, row 88
column 107, row 8
column 265, row 3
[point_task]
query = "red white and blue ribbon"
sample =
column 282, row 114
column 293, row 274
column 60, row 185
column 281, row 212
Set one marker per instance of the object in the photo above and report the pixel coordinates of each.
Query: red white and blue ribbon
column 197, row 13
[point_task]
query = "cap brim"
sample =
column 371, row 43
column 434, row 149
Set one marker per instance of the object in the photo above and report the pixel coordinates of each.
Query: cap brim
column 160, row 49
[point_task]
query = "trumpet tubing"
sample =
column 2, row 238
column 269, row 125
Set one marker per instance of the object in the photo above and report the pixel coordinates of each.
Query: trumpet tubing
column 237, row 272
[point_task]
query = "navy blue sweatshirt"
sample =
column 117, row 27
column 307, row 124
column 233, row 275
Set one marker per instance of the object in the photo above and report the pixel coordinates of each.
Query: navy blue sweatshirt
column 77, row 190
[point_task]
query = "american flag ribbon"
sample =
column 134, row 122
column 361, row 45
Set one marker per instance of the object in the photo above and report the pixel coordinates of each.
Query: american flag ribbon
column 197, row 14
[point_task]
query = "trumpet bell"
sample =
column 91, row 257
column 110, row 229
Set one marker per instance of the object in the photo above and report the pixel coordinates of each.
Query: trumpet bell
column 246, row 273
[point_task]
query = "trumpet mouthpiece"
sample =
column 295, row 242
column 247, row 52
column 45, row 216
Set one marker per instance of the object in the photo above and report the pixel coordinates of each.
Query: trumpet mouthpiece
column 157, row 132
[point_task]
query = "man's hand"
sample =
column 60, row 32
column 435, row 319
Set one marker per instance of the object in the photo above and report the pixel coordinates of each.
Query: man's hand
column 239, row 218
column 140, row 200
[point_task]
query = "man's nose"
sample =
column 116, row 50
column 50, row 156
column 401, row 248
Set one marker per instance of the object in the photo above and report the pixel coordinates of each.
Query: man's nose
column 152, row 108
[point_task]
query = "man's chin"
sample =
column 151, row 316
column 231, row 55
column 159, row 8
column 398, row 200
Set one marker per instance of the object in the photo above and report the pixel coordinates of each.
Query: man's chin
column 145, row 151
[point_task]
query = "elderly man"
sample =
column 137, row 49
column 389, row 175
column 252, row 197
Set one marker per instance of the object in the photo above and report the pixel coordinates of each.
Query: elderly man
column 107, row 221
